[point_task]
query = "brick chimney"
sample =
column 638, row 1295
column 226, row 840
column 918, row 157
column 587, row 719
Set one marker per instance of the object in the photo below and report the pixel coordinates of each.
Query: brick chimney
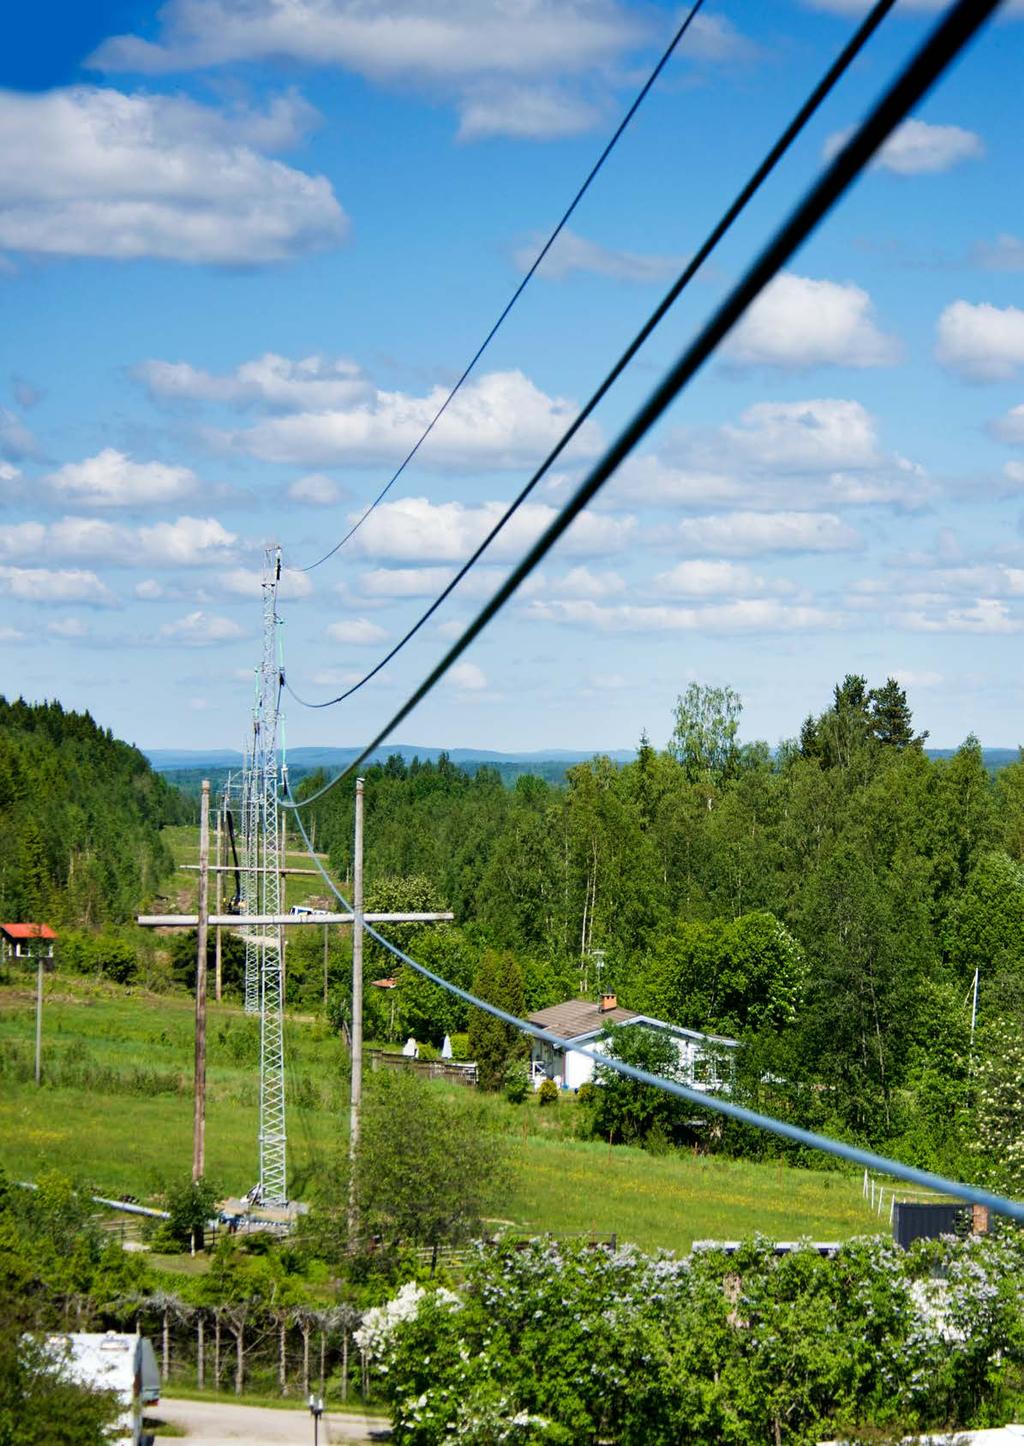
column 608, row 1001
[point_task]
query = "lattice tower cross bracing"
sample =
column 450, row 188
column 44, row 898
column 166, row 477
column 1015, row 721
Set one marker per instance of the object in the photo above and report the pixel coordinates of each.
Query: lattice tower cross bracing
column 264, row 980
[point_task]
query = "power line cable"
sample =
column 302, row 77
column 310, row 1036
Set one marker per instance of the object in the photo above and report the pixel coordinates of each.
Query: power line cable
column 960, row 23
column 842, row 63
column 854, row 1154
column 641, row 96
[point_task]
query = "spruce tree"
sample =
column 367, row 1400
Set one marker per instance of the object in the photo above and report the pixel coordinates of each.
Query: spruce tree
column 492, row 1043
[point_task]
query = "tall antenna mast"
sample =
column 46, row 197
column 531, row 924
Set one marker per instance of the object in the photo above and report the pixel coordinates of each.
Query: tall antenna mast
column 264, row 978
column 250, row 872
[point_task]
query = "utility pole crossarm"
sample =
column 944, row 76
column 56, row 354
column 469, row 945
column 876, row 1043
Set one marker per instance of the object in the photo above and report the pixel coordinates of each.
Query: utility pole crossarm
column 230, row 869
column 241, row 921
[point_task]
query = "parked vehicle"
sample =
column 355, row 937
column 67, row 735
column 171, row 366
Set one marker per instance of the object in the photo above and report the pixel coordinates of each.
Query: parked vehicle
column 122, row 1363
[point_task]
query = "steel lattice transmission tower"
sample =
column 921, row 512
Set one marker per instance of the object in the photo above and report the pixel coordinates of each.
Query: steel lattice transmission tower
column 264, row 946
column 250, row 876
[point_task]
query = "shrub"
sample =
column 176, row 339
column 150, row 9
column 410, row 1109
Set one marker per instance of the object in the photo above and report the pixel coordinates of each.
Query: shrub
column 517, row 1084
column 106, row 954
column 548, row 1093
column 240, row 1040
column 190, row 1203
column 557, row 1343
column 428, row 1166
column 587, row 1092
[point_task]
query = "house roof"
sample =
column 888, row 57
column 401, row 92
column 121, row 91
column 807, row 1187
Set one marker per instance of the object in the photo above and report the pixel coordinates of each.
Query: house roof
column 27, row 931
column 579, row 1016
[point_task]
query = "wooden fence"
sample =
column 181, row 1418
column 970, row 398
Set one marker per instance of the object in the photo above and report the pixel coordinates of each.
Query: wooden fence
column 464, row 1074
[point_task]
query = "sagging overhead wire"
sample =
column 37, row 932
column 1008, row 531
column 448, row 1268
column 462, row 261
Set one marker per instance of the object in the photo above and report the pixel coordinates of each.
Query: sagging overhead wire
column 841, row 64
column 960, row 23
column 854, row 1154
column 687, row 21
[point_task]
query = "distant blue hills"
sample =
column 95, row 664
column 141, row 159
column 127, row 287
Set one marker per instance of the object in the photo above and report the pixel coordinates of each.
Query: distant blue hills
column 308, row 760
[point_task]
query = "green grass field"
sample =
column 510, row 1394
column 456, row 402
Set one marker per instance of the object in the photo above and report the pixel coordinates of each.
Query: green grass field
column 182, row 887
column 120, row 1132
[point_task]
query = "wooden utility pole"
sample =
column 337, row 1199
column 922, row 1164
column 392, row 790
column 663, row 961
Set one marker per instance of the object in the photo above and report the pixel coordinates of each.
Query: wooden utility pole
column 357, row 918
column 357, row 996
column 218, row 876
column 39, row 1013
column 199, row 1121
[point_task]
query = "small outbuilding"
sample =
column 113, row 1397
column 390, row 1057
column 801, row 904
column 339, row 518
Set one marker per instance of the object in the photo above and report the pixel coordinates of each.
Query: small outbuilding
column 705, row 1060
column 27, row 941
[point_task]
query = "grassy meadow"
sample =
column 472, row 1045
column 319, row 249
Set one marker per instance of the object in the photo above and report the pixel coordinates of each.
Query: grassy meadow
column 117, row 1114
column 182, row 888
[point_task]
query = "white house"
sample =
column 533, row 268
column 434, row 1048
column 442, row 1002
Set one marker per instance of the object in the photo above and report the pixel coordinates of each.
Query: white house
column 705, row 1060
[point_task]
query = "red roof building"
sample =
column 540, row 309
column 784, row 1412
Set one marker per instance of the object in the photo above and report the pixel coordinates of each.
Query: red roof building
column 27, row 931
column 20, row 940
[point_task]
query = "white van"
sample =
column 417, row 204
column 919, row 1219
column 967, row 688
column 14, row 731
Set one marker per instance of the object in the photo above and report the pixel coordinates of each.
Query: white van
column 113, row 1362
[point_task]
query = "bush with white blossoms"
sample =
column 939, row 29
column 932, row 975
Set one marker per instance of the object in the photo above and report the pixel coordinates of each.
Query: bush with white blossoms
column 567, row 1344
column 999, row 1111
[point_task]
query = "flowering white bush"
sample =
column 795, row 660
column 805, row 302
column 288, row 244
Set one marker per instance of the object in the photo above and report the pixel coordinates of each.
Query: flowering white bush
column 999, row 1116
column 565, row 1345
column 380, row 1322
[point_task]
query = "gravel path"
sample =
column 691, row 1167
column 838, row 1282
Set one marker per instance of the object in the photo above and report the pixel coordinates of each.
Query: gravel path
column 219, row 1423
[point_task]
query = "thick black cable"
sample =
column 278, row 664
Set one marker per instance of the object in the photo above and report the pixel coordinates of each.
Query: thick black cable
column 584, row 188
column 229, row 819
column 854, row 1154
column 838, row 68
column 960, row 23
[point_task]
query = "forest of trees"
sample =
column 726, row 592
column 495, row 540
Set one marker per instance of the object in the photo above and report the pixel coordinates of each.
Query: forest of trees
column 827, row 903
column 80, row 818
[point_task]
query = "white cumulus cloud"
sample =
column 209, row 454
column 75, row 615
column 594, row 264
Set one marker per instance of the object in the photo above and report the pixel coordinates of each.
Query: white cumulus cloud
column 500, row 420
column 201, row 630
column 745, row 615
column 750, row 534
column 248, row 582
column 572, row 253
column 112, row 479
column 584, row 582
column 467, row 678
column 274, row 382
column 416, row 530
column 981, row 342
column 91, row 171
column 317, row 489
column 918, row 148
column 358, row 632
column 799, row 322
column 986, row 615
column 69, row 628
column 714, row 578
column 820, row 452
column 55, row 586
column 529, row 111
column 187, row 542
column 532, row 69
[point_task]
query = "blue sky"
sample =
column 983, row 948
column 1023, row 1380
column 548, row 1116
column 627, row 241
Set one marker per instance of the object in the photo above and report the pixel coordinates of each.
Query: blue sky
column 245, row 246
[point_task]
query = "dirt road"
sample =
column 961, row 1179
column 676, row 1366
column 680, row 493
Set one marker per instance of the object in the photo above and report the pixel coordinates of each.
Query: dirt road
column 219, row 1423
